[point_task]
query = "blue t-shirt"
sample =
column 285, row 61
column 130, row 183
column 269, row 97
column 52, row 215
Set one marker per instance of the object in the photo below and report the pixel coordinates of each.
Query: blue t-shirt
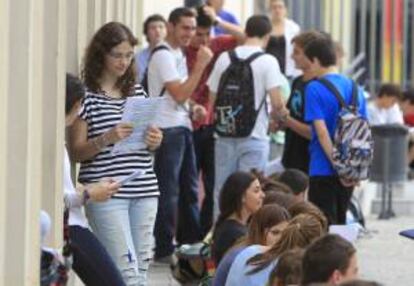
column 223, row 268
column 228, row 17
column 238, row 274
column 321, row 104
column 141, row 62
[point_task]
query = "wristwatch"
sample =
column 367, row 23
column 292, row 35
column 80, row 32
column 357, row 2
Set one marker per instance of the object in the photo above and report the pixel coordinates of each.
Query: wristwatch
column 85, row 196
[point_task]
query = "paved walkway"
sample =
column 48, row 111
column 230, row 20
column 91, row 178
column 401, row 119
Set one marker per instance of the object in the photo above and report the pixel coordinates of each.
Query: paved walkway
column 383, row 255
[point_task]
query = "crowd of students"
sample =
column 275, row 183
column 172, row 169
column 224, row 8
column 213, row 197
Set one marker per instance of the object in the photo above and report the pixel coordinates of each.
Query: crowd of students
column 266, row 230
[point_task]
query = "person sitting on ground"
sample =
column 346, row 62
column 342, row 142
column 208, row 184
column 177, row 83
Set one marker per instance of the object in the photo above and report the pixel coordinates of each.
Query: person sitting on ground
column 285, row 200
column 330, row 259
column 271, row 183
column 289, row 269
column 384, row 109
column 265, row 228
column 254, row 264
column 298, row 182
column 310, row 209
column 240, row 197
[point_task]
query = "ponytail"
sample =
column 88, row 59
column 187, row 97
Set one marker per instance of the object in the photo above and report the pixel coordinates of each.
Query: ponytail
column 299, row 233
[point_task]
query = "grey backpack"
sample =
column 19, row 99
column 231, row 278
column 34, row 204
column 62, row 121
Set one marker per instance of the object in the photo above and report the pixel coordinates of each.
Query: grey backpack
column 353, row 146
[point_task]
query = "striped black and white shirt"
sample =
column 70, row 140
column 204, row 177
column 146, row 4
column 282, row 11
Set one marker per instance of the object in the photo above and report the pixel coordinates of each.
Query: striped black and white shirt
column 101, row 113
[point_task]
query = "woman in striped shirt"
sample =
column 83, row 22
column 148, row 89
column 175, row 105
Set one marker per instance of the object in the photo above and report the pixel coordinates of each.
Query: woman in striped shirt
column 124, row 224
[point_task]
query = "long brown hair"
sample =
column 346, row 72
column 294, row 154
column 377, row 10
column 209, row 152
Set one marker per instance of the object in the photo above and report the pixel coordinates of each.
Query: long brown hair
column 264, row 219
column 299, row 233
column 106, row 38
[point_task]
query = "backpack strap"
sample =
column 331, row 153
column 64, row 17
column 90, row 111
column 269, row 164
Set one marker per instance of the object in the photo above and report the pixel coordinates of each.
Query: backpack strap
column 354, row 102
column 331, row 87
column 253, row 57
column 233, row 56
column 248, row 61
column 156, row 49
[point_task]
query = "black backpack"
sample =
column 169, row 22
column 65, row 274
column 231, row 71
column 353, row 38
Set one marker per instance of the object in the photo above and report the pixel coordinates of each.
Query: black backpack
column 235, row 112
column 144, row 82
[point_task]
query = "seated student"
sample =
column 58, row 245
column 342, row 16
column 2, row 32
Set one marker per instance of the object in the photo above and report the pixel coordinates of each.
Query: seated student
column 384, row 109
column 282, row 199
column 330, row 259
column 309, row 209
column 271, row 183
column 265, row 228
column 298, row 182
column 253, row 265
column 288, row 271
column 240, row 197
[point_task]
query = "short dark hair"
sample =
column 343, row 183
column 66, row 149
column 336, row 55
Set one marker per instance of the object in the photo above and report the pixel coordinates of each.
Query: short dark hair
column 325, row 255
column 151, row 19
column 408, row 95
column 74, row 91
column 258, row 26
column 303, row 38
column 390, row 90
column 288, row 270
column 321, row 48
column 203, row 20
column 285, row 200
column 297, row 180
column 178, row 13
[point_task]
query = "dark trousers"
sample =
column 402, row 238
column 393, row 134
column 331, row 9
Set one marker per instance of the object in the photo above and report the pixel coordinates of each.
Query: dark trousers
column 91, row 262
column 175, row 166
column 327, row 193
column 204, row 150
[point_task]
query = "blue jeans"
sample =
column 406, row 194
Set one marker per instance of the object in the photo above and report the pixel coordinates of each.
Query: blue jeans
column 125, row 227
column 175, row 166
column 237, row 154
column 91, row 261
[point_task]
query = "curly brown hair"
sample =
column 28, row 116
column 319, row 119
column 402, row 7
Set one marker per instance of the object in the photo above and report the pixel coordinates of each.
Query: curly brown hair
column 106, row 38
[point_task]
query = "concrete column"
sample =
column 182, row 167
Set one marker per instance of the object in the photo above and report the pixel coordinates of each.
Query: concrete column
column 82, row 28
column 53, row 102
column 23, row 154
column 4, row 78
column 72, row 26
column 127, row 15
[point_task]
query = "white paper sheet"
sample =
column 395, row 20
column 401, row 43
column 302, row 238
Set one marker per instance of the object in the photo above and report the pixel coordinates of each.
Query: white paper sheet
column 141, row 112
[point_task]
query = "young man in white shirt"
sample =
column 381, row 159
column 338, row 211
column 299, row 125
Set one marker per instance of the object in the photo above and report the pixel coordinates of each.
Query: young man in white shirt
column 385, row 109
column 251, row 152
column 175, row 163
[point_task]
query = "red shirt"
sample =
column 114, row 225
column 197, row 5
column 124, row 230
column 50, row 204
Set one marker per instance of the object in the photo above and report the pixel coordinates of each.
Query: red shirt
column 201, row 93
column 409, row 120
